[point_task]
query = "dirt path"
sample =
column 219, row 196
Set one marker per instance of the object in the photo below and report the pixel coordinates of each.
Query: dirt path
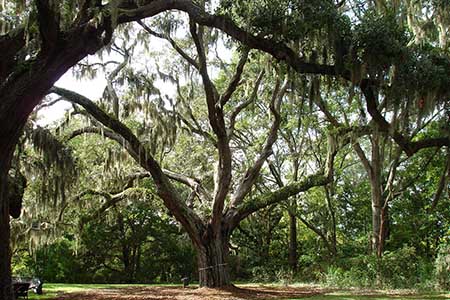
column 177, row 293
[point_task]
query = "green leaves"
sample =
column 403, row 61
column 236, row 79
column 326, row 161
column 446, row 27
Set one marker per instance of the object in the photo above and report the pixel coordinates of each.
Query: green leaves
column 282, row 20
column 379, row 41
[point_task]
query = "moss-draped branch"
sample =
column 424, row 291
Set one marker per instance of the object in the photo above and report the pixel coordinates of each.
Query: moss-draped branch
column 248, row 207
column 171, row 198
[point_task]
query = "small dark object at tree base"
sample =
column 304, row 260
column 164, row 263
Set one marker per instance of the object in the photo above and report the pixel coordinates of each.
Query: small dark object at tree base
column 21, row 289
column 185, row 281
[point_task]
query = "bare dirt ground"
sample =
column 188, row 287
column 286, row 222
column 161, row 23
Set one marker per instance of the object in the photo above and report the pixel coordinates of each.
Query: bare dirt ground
column 178, row 293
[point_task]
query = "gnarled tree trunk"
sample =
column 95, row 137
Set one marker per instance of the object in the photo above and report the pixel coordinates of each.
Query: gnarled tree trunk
column 18, row 98
column 212, row 257
column 5, row 251
column 6, row 152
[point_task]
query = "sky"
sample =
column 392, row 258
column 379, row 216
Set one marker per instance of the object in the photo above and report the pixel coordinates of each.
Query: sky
column 92, row 89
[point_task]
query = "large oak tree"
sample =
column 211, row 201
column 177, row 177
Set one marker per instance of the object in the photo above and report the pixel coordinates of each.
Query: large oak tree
column 49, row 37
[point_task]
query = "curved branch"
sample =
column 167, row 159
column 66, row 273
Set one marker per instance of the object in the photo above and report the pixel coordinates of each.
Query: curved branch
column 191, row 222
column 282, row 194
column 193, row 183
column 234, row 82
column 47, row 104
column 217, row 122
column 252, row 173
column 198, row 14
column 407, row 146
column 111, row 200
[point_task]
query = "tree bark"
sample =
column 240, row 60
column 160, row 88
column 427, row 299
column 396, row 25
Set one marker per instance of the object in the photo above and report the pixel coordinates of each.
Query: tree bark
column 373, row 169
column 212, row 262
column 19, row 94
column 331, row 210
column 293, row 254
column 5, row 250
column 379, row 210
column 377, row 207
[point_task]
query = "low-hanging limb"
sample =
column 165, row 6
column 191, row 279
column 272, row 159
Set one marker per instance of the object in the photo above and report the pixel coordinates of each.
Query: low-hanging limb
column 292, row 209
column 234, row 216
column 167, row 192
column 193, row 183
column 111, row 200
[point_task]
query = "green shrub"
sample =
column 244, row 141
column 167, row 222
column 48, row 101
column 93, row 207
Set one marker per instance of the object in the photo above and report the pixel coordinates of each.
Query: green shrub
column 284, row 276
column 442, row 267
column 262, row 274
column 401, row 268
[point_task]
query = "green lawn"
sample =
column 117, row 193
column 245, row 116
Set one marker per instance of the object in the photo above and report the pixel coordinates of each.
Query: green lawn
column 349, row 295
column 361, row 294
column 52, row 290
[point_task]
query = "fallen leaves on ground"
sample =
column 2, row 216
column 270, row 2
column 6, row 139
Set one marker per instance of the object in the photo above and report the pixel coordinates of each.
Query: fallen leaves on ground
column 178, row 293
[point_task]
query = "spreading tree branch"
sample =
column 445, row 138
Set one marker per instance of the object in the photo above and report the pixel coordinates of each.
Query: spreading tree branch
column 166, row 190
column 278, row 50
column 282, row 194
column 217, row 122
column 252, row 173
column 111, row 200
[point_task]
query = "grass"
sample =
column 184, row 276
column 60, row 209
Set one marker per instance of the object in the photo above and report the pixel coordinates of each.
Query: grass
column 351, row 295
column 357, row 294
column 53, row 290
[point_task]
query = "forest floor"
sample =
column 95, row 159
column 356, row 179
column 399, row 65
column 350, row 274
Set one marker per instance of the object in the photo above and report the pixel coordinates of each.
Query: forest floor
column 241, row 292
